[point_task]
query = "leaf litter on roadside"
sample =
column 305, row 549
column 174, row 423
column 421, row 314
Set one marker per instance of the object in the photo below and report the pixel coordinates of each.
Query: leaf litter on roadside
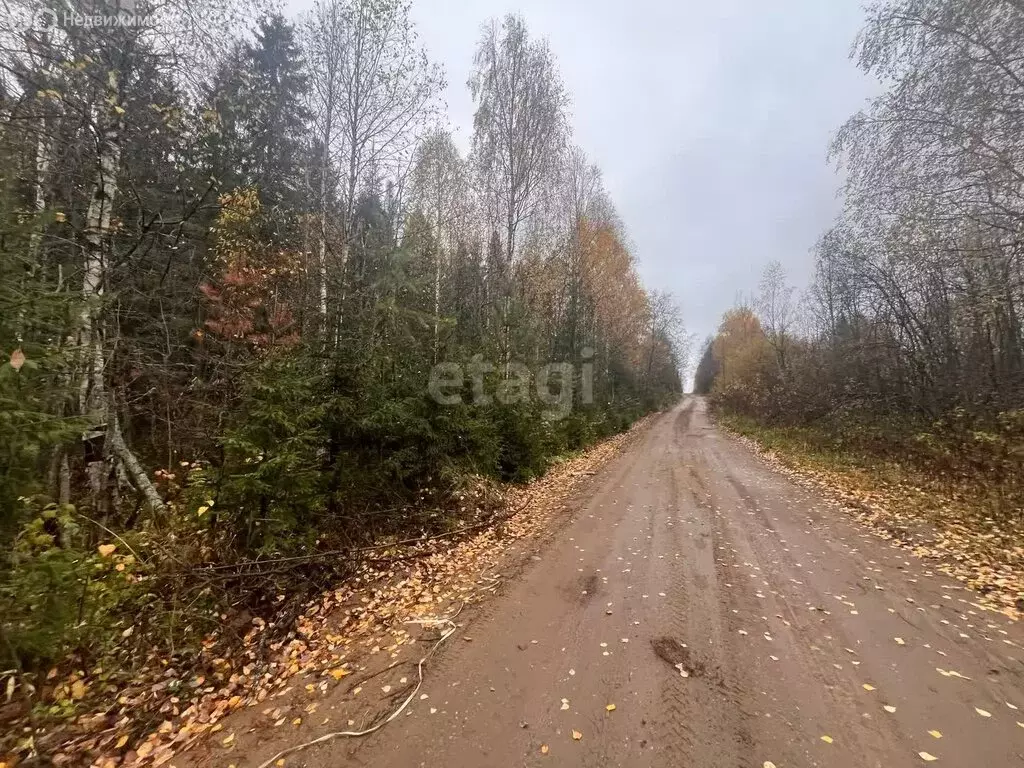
column 363, row 616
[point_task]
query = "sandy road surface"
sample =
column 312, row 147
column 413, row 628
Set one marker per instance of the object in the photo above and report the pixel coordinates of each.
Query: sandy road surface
column 784, row 615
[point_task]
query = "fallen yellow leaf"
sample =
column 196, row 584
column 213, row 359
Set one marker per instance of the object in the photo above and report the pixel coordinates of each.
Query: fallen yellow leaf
column 928, row 758
column 576, row 735
column 228, row 740
column 868, row 687
column 78, row 690
column 610, row 708
column 827, row 739
column 543, row 749
column 338, row 673
column 106, row 550
column 935, row 734
column 899, row 641
column 982, row 712
column 121, row 741
column 768, row 764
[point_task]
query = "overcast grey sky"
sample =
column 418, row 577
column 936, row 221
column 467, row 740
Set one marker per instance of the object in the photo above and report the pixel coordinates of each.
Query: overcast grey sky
column 710, row 121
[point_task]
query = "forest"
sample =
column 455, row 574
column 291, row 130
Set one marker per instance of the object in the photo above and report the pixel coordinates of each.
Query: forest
column 906, row 347
column 241, row 258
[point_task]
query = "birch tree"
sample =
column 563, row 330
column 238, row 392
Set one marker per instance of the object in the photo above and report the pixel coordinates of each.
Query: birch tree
column 775, row 306
column 325, row 39
column 375, row 98
column 520, row 126
column 440, row 191
column 89, row 84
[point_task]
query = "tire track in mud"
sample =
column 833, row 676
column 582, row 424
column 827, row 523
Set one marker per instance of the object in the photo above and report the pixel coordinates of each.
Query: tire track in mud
column 699, row 632
column 818, row 655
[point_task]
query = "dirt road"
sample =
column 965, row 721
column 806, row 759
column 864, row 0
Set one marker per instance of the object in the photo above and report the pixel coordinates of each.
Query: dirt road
column 805, row 641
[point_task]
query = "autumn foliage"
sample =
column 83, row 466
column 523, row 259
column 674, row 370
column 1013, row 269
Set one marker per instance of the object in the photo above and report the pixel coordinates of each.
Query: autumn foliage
column 248, row 302
column 229, row 265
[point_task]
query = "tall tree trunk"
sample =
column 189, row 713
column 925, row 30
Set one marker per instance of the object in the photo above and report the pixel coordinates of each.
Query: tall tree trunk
column 437, row 263
column 325, row 168
column 42, row 172
column 92, row 398
column 104, row 444
column 322, row 251
column 35, row 241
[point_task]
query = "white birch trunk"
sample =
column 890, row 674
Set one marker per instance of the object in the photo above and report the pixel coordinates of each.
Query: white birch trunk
column 322, row 266
column 35, row 241
column 322, row 247
column 104, row 442
column 437, row 264
column 42, row 172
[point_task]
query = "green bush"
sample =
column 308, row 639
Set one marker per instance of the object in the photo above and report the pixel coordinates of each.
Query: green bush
column 271, row 484
column 527, row 441
column 57, row 598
